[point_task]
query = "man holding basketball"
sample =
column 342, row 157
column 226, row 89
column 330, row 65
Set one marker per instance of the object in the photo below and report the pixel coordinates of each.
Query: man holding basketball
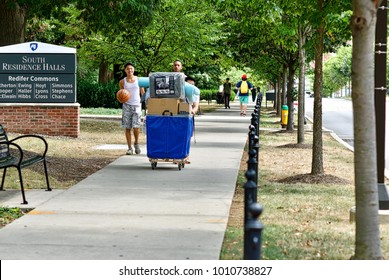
column 132, row 109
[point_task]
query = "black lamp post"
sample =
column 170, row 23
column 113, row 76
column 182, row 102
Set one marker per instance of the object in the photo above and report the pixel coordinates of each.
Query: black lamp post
column 380, row 100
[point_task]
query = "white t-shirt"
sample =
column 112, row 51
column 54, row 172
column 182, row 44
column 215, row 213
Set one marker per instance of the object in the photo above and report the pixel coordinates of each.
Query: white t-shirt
column 134, row 90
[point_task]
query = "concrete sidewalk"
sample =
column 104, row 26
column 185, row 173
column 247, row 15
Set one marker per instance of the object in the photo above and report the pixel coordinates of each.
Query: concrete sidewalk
column 127, row 211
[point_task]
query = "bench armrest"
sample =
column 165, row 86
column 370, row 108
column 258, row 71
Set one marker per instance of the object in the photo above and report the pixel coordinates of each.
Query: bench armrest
column 43, row 141
column 14, row 159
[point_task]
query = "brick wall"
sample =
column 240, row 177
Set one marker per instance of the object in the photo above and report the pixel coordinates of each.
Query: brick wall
column 44, row 119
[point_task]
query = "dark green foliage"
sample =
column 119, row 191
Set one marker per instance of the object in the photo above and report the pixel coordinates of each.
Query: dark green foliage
column 211, row 94
column 208, row 94
column 94, row 95
column 112, row 17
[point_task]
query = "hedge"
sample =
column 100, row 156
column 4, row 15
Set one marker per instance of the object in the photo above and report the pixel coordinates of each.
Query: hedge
column 94, row 95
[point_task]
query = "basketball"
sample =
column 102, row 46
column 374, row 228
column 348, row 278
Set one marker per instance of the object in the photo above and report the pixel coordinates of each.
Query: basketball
column 123, row 95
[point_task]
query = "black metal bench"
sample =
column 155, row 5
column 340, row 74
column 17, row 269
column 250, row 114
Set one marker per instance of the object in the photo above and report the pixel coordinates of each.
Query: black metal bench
column 13, row 155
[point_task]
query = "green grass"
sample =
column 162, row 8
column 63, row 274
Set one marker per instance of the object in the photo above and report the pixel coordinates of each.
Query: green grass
column 302, row 221
column 269, row 120
column 101, row 111
column 306, row 221
column 205, row 107
column 8, row 215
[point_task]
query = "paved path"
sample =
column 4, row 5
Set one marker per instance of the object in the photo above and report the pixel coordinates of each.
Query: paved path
column 128, row 211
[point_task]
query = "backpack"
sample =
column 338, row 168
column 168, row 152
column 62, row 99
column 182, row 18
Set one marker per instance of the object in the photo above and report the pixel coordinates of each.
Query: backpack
column 244, row 87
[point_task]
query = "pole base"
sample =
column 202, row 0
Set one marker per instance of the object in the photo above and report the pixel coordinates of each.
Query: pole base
column 383, row 197
column 382, row 214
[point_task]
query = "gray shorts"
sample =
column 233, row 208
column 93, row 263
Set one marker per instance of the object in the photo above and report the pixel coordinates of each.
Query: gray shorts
column 131, row 116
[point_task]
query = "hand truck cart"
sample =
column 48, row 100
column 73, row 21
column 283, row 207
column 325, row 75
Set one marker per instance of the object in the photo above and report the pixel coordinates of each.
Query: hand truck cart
column 168, row 138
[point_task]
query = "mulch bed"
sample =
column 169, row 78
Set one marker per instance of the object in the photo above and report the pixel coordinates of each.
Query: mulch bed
column 314, row 179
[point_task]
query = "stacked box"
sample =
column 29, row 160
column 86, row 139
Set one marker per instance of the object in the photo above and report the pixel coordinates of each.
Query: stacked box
column 184, row 108
column 157, row 106
column 167, row 85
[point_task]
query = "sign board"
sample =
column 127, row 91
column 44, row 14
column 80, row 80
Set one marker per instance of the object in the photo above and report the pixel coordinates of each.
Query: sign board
column 37, row 73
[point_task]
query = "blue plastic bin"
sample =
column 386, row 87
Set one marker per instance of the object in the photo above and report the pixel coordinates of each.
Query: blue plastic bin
column 168, row 137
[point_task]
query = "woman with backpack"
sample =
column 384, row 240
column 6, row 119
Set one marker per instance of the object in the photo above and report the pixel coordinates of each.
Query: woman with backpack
column 243, row 86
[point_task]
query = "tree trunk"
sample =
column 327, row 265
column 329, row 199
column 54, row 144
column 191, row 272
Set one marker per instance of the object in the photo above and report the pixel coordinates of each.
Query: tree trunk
column 277, row 91
column 317, row 145
column 282, row 88
column 284, row 78
column 367, row 235
column 104, row 75
column 117, row 72
column 13, row 22
column 291, row 73
column 301, row 94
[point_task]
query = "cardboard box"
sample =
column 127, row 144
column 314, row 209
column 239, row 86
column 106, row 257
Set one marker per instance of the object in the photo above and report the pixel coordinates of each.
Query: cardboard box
column 184, row 108
column 167, row 85
column 156, row 106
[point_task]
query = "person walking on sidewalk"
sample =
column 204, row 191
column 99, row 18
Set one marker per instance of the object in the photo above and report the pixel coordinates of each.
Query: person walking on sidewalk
column 243, row 86
column 177, row 67
column 132, row 109
column 254, row 92
column 227, row 93
column 195, row 105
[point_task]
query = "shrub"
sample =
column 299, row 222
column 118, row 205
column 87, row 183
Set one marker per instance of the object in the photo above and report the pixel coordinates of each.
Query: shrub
column 95, row 95
column 211, row 94
column 208, row 94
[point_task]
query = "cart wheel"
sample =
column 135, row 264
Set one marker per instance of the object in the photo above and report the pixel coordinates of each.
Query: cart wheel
column 153, row 165
column 179, row 166
column 183, row 165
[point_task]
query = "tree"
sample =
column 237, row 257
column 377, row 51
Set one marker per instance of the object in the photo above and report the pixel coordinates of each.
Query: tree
column 12, row 22
column 15, row 13
column 178, row 30
column 317, row 146
column 301, row 11
column 363, row 23
column 115, row 17
column 264, row 29
column 175, row 29
column 13, row 18
column 109, row 22
column 337, row 71
column 110, row 18
column 328, row 22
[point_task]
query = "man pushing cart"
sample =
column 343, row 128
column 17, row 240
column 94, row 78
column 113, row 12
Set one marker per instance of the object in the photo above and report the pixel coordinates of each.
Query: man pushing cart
column 170, row 122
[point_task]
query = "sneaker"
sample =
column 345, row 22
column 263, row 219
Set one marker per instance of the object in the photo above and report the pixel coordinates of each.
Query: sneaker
column 137, row 149
column 129, row 152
